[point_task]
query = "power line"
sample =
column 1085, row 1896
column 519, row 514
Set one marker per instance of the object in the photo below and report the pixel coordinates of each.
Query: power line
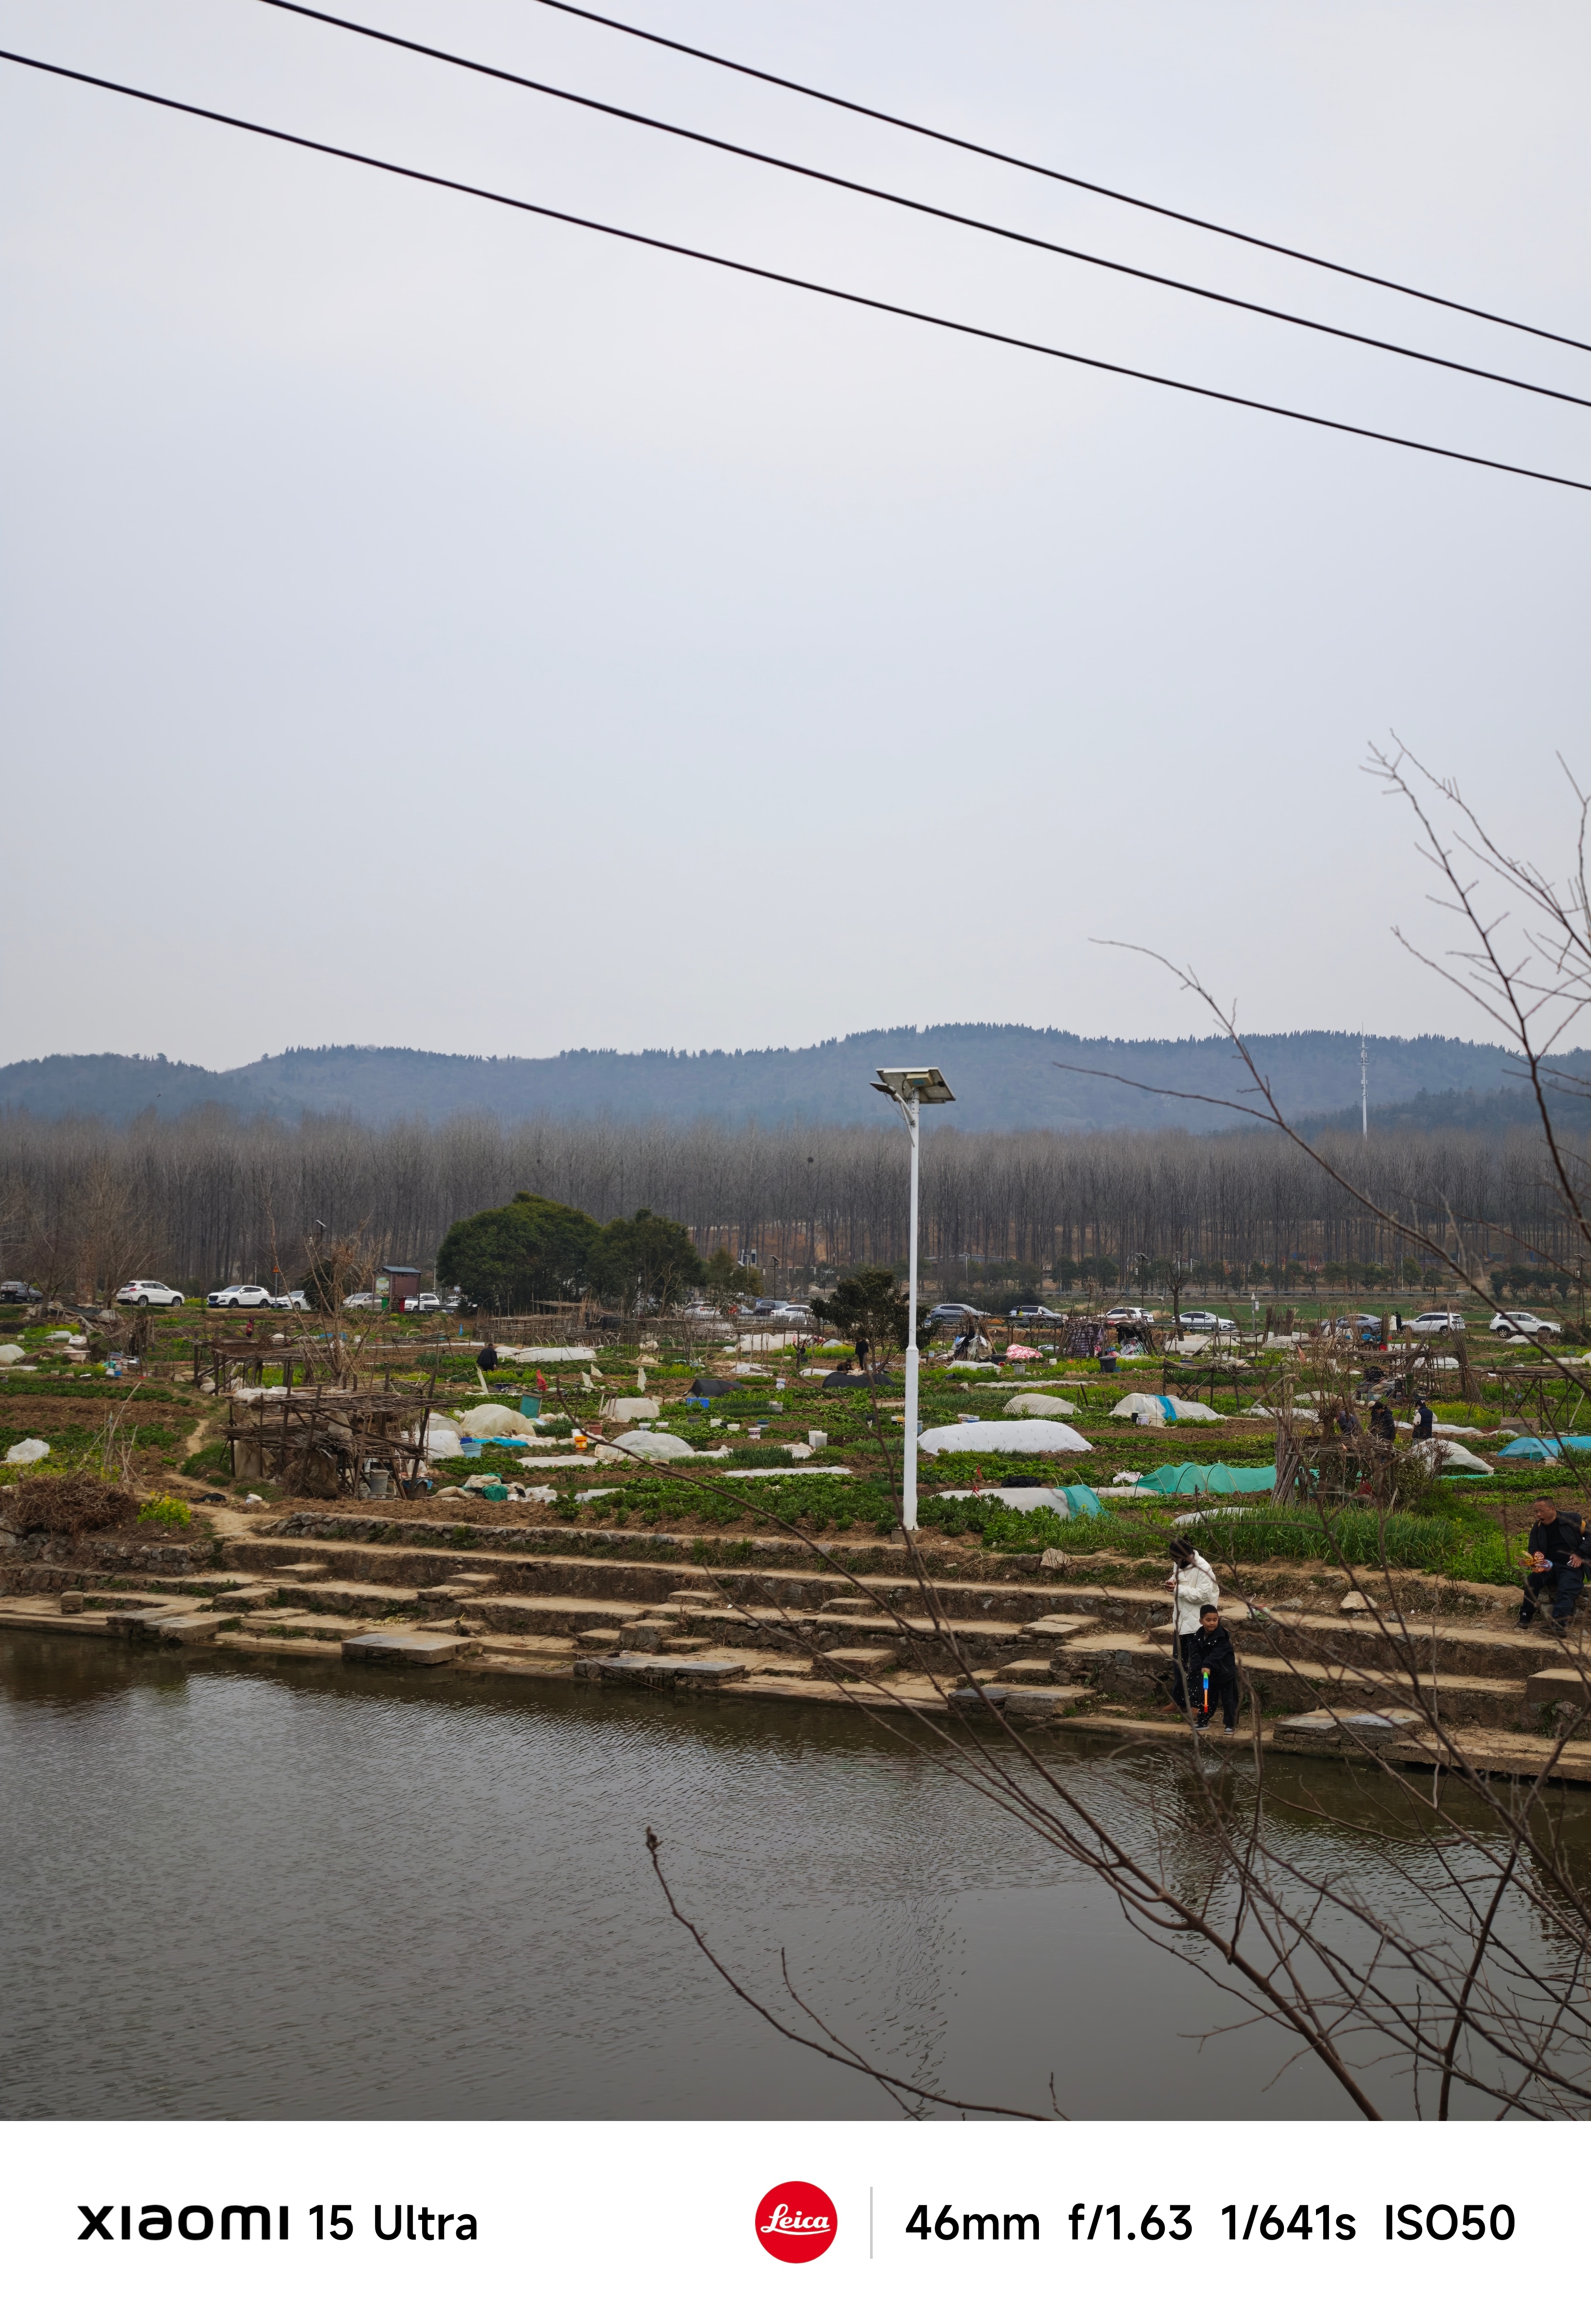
column 1059, row 177
column 907, row 202
column 788, row 282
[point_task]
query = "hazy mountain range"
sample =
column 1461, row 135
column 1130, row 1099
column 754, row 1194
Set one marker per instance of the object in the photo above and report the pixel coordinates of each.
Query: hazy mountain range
column 1004, row 1078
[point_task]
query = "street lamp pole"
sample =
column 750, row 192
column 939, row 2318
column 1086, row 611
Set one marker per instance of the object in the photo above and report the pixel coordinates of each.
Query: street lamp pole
column 911, row 1087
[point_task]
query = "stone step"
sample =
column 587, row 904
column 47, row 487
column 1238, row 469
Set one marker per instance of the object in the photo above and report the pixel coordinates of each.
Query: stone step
column 408, row 1646
column 1024, row 1673
column 703, row 1673
column 857, row 1662
column 1559, row 1683
column 517, row 1645
column 644, row 1638
column 241, row 1601
column 1471, row 1649
column 183, row 1630
column 572, row 1615
column 1135, row 1668
column 364, row 1598
column 1040, row 1703
column 282, row 1620
column 596, row 1642
column 135, row 1621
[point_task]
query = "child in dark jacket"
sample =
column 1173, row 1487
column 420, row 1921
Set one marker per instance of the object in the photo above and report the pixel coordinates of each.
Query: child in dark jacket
column 1214, row 1671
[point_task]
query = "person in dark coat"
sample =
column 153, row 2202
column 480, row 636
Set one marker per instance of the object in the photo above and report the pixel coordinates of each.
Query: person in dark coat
column 488, row 1357
column 863, row 1349
column 1559, row 1537
column 1382, row 1424
column 1214, row 1671
column 1424, row 1420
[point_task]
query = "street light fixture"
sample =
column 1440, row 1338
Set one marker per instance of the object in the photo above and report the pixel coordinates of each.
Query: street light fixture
column 911, row 1087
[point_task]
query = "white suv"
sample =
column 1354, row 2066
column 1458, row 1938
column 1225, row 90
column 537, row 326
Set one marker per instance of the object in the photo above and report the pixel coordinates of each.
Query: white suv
column 144, row 1292
column 240, row 1294
column 1437, row 1319
column 1519, row 1319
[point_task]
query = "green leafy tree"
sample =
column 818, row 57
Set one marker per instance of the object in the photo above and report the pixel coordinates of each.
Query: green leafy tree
column 646, row 1262
column 727, row 1280
column 870, row 1301
column 531, row 1249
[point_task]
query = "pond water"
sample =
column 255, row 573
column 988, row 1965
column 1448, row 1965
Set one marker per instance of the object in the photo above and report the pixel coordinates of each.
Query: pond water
column 311, row 1891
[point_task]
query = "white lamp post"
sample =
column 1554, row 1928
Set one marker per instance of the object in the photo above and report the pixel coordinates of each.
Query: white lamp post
column 911, row 1087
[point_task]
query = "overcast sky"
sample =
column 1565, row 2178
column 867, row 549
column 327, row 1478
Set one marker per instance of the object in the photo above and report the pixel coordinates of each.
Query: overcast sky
column 432, row 625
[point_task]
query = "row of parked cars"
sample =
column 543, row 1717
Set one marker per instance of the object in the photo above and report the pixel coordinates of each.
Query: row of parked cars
column 145, row 1291
column 1514, row 1321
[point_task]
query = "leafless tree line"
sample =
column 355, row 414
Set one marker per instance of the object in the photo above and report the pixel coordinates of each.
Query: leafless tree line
column 213, row 1195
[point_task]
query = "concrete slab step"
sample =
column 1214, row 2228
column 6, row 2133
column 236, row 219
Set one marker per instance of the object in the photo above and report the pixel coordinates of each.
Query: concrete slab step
column 133, row 1622
column 857, row 1662
column 184, row 1630
column 408, row 1646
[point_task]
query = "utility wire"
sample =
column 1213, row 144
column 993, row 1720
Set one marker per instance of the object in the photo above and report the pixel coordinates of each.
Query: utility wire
column 1061, row 177
column 924, row 209
column 789, row 282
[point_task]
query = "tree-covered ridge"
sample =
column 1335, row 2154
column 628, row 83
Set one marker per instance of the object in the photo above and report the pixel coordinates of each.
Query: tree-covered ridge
column 1004, row 1076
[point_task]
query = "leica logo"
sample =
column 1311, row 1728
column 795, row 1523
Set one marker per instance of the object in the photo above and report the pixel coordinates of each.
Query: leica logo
column 796, row 2221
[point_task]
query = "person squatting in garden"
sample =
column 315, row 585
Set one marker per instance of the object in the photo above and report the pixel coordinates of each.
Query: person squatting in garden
column 1558, row 1537
column 1214, row 1671
column 1193, row 1587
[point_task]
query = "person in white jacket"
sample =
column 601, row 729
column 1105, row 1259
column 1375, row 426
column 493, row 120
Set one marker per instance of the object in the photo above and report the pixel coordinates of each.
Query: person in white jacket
column 1193, row 1586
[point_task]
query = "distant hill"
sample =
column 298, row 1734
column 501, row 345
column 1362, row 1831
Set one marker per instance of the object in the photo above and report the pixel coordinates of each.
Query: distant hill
column 1004, row 1078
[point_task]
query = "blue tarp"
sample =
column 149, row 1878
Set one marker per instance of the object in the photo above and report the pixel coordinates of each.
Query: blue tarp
column 1188, row 1477
column 1543, row 1448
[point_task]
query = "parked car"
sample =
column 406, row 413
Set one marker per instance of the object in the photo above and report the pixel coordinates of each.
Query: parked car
column 1519, row 1319
column 240, row 1294
column 1205, row 1319
column 1033, row 1314
column 1436, row 1319
column 1355, row 1327
column 795, row 1314
column 18, row 1294
column 953, row 1311
column 424, row 1303
column 1131, row 1315
column 144, row 1291
column 295, row 1299
column 361, row 1299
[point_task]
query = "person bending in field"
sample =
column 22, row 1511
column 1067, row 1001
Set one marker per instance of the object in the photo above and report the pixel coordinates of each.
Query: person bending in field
column 1213, row 1673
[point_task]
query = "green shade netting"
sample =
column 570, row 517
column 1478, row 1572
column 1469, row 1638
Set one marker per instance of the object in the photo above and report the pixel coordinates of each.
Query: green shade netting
column 1188, row 1477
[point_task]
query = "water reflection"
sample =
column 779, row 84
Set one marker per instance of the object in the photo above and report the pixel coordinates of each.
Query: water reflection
column 302, row 1890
